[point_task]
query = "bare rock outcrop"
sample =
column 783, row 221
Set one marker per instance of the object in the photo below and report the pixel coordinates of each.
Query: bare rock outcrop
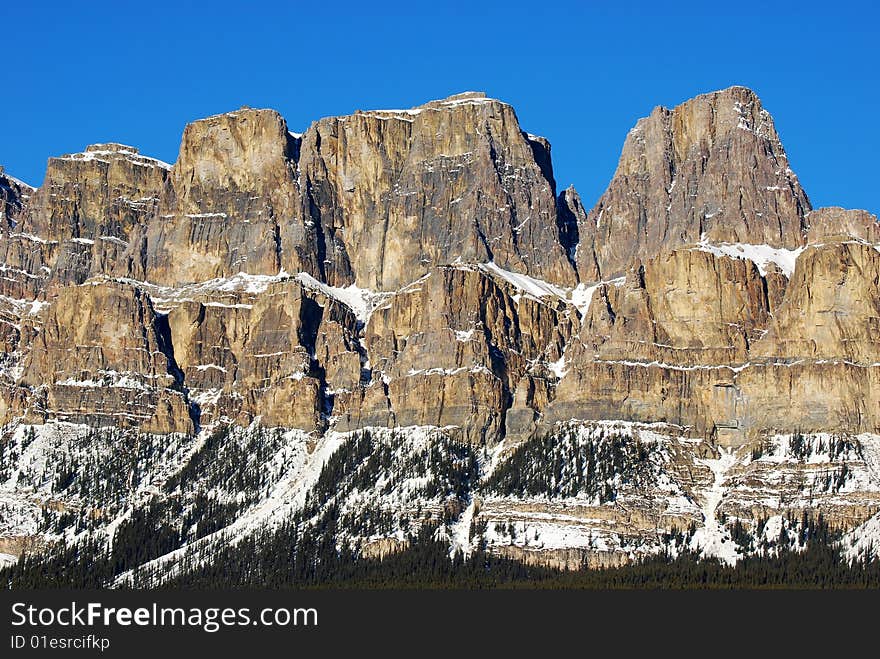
column 102, row 357
column 396, row 192
column 232, row 188
column 836, row 223
column 712, row 167
column 831, row 309
column 416, row 267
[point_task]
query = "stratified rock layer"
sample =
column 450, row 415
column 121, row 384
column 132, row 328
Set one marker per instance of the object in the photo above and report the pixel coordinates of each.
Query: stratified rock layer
column 416, row 267
column 712, row 167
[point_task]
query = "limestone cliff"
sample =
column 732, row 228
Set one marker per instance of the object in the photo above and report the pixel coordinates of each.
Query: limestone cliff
column 711, row 167
column 403, row 267
column 417, row 269
column 395, row 192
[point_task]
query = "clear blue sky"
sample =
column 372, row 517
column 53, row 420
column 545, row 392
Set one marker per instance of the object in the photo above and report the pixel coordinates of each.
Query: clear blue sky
column 579, row 73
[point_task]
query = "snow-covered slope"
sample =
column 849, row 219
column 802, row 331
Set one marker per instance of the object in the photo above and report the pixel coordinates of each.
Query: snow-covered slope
column 586, row 494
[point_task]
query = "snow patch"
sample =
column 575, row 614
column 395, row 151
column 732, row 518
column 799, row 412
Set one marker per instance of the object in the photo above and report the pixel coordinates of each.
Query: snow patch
column 528, row 285
column 362, row 301
column 131, row 155
column 864, row 540
column 713, row 539
column 461, row 531
column 760, row 255
column 582, row 296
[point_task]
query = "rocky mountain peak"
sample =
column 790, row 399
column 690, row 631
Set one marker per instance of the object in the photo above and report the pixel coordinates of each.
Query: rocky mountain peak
column 245, row 149
column 697, row 124
column 105, row 154
column 372, row 226
column 712, row 168
column 463, row 98
column 397, row 192
column 112, row 147
column 219, row 327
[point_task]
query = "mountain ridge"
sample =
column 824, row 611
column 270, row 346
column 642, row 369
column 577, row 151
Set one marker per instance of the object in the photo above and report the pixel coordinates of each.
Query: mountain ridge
column 394, row 270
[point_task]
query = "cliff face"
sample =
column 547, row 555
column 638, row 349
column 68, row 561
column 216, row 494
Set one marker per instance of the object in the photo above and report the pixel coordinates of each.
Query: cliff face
column 14, row 194
column 373, row 199
column 232, row 187
column 712, row 167
column 415, row 267
column 401, row 268
column 396, row 192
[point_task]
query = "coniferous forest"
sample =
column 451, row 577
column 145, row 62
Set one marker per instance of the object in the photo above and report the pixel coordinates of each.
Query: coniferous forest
column 289, row 559
column 309, row 551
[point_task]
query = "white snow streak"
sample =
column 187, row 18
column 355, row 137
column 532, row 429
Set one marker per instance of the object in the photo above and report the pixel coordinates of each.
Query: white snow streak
column 713, row 538
column 461, row 531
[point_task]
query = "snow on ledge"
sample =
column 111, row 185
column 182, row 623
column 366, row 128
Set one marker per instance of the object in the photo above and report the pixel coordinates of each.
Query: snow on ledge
column 19, row 182
column 760, row 255
column 362, row 301
column 130, row 154
column 580, row 297
column 532, row 287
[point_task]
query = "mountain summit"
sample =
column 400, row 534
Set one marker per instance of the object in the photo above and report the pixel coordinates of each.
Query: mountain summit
column 409, row 285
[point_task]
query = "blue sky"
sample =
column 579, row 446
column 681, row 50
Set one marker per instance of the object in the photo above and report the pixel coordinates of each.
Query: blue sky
column 580, row 73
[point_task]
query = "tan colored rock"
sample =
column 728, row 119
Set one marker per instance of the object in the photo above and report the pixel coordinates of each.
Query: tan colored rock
column 254, row 351
column 713, row 166
column 104, row 191
column 101, row 358
column 25, row 266
column 90, row 203
column 470, row 402
column 465, row 318
column 581, row 235
column 831, row 309
column 684, row 307
column 416, row 204
column 364, row 407
column 809, row 397
column 232, row 188
column 399, row 191
column 836, row 223
column 530, row 398
column 94, row 329
column 79, row 222
column 461, row 325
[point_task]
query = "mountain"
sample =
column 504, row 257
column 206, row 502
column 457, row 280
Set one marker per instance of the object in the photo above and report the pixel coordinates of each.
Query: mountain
column 393, row 324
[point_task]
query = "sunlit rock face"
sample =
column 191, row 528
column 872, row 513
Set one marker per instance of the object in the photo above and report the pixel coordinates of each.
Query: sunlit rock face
column 417, row 272
column 712, row 167
column 416, row 267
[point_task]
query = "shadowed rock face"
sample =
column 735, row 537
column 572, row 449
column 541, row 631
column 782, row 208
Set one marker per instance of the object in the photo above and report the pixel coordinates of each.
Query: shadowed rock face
column 416, row 267
column 13, row 196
